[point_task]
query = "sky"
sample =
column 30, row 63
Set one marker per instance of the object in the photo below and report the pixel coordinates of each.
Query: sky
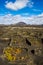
column 28, row 11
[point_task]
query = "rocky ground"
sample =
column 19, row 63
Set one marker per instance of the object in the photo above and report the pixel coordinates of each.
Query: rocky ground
column 28, row 40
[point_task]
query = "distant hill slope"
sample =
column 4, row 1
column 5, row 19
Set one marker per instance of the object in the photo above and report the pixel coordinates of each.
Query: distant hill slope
column 20, row 24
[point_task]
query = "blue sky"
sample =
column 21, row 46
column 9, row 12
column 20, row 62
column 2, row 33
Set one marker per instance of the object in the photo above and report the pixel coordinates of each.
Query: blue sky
column 28, row 11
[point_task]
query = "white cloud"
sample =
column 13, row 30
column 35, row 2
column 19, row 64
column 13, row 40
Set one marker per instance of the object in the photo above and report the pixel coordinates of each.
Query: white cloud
column 18, row 4
column 40, row 15
column 11, row 19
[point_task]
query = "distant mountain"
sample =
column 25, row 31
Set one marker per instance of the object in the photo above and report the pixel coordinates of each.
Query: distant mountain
column 20, row 24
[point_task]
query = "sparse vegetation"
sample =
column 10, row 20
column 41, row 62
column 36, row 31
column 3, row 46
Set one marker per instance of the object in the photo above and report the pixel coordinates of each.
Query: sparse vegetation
column 14, row 47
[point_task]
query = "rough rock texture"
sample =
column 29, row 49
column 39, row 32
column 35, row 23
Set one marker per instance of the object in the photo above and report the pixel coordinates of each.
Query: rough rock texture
column 28, row 39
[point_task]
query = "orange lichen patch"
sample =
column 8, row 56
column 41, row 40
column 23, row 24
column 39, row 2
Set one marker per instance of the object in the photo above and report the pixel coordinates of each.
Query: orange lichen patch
column 17, row 51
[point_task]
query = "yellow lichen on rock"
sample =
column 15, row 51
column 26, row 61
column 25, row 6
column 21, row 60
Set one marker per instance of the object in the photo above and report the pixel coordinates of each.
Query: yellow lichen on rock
column 11, row 53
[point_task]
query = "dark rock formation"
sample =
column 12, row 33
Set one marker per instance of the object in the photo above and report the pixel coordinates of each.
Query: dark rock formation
column 42, row 40
column 28, row 42
column 33, row 51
